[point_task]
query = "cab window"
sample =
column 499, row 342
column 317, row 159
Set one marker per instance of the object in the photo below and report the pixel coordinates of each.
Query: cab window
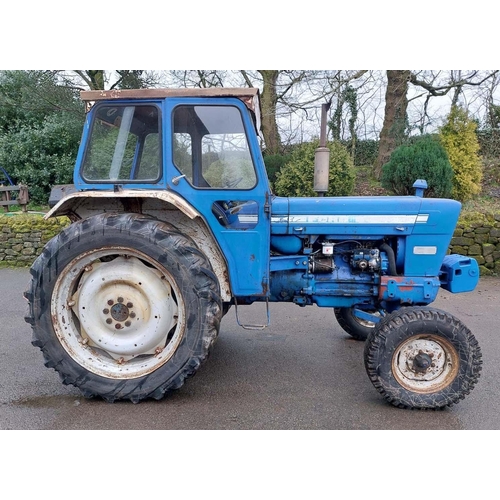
column 124, row 145
column 210, row 147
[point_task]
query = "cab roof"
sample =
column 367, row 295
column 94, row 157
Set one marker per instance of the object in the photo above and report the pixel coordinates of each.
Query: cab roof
column 249, row 96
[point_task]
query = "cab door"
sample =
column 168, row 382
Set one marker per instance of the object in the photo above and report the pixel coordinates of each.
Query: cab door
column 213, row 160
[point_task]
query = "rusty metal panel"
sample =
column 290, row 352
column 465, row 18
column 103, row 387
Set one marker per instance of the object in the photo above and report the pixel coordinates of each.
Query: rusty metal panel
column 247, row 95
column 125, row 194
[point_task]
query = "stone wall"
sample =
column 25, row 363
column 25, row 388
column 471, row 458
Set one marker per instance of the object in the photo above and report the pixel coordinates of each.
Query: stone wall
column 22, row 238
column 478, row 235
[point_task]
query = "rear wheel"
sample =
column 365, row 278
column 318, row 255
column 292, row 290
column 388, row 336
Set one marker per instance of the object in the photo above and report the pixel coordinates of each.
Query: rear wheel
column 123, row 307
column 422, row 358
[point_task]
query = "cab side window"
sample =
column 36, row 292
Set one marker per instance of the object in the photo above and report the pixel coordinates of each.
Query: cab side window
column 210, row 147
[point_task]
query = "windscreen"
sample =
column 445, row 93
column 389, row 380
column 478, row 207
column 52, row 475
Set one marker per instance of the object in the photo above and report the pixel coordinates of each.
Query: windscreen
column 124, row 145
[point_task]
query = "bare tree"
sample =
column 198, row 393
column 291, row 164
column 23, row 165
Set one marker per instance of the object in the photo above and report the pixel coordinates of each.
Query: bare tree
column 100, row 79
column 275, row 86
column 296, row 95
column 201, row 78
column 453, row 82
column 491, row 118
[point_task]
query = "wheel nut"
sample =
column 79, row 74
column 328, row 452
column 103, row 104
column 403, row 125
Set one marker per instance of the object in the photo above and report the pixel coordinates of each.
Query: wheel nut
column 132, row 314
column 127, row 323
column 109, row 321
column 105, row 311
column 118, row 326
column 130, row 305
column 110, row 302
column 120, row 299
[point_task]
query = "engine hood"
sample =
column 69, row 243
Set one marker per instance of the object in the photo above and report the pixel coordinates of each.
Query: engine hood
column 370, row 217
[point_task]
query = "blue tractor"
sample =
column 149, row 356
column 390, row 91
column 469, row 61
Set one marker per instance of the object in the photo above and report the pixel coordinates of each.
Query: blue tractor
column 173, row 222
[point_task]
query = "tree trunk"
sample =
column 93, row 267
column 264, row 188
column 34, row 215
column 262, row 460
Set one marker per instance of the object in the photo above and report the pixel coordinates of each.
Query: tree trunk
column 269, row 99
column 95, row 79
column 393, row 130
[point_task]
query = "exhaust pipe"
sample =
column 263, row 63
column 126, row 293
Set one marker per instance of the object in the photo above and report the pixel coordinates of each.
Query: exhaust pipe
column 322, row 157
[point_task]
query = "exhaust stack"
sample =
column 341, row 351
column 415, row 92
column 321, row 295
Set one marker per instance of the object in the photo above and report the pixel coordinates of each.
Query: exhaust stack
column 322, row 157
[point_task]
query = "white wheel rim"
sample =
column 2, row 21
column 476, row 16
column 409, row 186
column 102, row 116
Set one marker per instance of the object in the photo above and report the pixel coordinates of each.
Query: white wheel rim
column 425, row 363
column 118, row 313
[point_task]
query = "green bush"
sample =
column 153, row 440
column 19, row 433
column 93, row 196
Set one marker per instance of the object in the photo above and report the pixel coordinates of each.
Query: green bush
column 296, row 177
column 42, row 155
column 273, row 164
column 424, row 158
column 459, row 139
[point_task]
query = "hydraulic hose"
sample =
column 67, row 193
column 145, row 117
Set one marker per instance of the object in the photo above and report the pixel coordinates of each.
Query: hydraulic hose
column 392, row 258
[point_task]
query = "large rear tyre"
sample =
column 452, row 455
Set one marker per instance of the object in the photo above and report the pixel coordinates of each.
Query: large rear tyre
column 123, row 307
column 422, row 358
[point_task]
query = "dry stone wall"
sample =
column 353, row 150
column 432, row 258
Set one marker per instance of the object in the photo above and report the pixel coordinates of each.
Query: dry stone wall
column 22, row 237
column 478, row 235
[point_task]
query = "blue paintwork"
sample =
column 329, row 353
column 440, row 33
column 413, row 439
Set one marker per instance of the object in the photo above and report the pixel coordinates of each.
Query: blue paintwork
column 459, row 273
column 268, row 241
column 436, row 231
column 420, row 186
column 246, row 250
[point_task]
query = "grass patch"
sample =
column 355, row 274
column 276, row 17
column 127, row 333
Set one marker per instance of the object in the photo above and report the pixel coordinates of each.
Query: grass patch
column 32, row 207
column 366, row 184
column 487, row 205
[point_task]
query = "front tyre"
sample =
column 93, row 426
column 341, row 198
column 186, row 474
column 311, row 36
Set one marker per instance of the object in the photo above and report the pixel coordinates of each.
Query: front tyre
column 123, row 307
column 422, row 358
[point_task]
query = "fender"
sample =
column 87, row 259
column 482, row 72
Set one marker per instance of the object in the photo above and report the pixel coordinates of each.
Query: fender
column 162, row 205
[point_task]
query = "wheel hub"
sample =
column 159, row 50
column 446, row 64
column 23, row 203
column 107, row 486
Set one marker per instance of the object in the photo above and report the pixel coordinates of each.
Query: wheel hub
column 424, row 363
column 119, row 312
column 422, row 359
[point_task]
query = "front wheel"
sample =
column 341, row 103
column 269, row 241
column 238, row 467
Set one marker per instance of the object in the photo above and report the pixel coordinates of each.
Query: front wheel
column 123, row 306
column 422, row 358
